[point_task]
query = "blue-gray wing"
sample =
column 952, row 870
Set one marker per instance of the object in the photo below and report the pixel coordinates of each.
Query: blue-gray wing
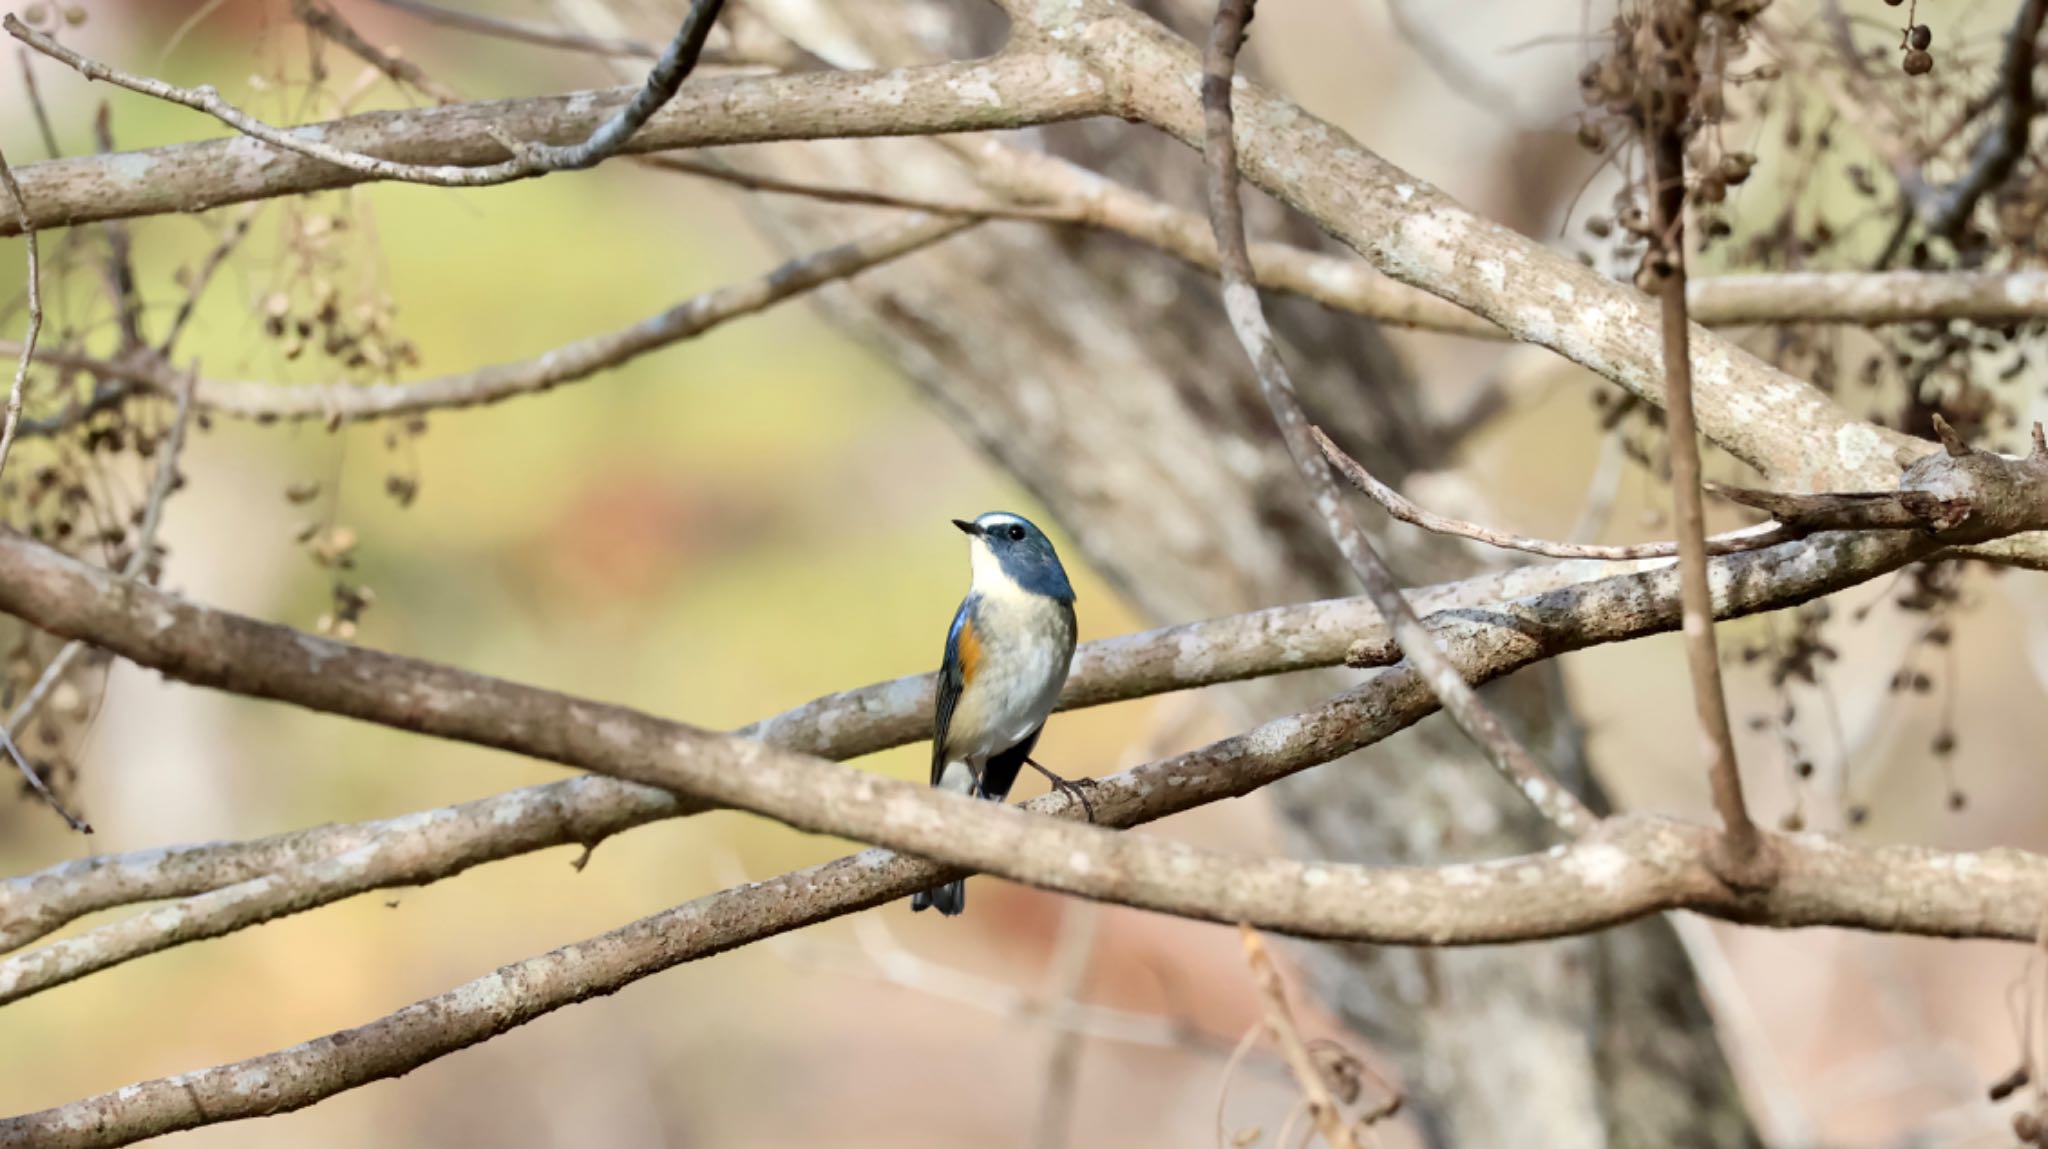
column 950, row 683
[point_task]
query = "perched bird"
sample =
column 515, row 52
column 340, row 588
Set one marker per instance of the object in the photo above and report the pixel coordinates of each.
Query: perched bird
column 1006, row 659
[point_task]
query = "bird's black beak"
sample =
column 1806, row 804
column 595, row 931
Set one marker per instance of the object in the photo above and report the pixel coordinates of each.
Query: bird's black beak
column 968, row 528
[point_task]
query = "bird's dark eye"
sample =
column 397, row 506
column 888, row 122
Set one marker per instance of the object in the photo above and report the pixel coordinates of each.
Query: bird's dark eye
column 1016, row 534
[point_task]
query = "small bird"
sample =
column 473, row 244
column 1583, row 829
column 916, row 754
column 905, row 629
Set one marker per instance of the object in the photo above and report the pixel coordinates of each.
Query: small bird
column 1007, row 656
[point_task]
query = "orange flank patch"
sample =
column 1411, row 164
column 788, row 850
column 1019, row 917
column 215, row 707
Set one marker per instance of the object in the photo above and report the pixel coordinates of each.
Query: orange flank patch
column 968, row 647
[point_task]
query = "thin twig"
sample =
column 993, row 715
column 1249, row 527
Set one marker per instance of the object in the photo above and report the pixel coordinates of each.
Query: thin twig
column 35, row 310
column 35, row 104
column 1601, row 489
column 1322, row 1107
column 322, row 18
column 136, row 568
column 527, row 159
column 41, row 788
column 1248, row 322
column 1064, row 979
column 237, row 230
column 712, row 168
column 1398, row 505
column 567, row 363
column 667, row 75
column 526, row 31
column 1244, row 1046
column 1667, row 174
column 120, row 263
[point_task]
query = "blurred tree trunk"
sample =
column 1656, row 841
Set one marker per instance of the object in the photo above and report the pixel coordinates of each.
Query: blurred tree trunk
column 1105, row 378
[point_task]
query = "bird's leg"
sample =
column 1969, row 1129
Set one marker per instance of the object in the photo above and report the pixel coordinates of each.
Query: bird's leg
column 1072, row 790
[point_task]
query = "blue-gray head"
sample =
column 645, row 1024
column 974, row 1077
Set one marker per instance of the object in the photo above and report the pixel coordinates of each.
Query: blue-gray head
column 1008, row 551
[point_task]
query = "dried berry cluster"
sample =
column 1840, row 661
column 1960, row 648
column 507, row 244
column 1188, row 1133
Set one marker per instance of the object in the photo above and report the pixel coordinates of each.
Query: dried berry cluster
column 1831, row 173
column 78, row 478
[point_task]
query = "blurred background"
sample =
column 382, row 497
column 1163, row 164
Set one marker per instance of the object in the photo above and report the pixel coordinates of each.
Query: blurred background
column 748, row 520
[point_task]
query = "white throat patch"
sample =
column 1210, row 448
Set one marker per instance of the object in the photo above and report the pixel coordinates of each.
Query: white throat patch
column 990, row 579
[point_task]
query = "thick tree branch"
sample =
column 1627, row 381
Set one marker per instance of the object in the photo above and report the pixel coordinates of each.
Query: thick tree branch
column 214, row 648
column 1015, row 89
column 1630, row 867
column 1417, row 234
column 408, row 851
column 440, row 843
column 1627, row 867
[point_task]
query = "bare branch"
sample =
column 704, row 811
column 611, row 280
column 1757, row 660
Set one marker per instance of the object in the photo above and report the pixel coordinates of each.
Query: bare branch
column 528, row 158
column 1011, row 90
column 525, row 31
column 1664, row 113
column 1417, row 234
column 1248, row 321
column 669, row 71
column 35, row 103
column 1398, row 505
column 237, row 230
column 1627, row 867
column 1046, row 188
column 566, row 364
column 411, row 849
column 13, row 421
column 214, row 648
column 1322, row 1107
column 408, row 851
column 25, row 220
column 322, row 18
column 120, row 265
column 839, row 726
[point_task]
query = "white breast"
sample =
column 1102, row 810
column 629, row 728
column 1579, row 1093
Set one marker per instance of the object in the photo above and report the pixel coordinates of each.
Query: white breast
column 1027, row 644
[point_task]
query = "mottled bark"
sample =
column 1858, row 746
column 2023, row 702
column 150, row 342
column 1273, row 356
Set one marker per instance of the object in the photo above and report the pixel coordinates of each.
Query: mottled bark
column 1105, row 377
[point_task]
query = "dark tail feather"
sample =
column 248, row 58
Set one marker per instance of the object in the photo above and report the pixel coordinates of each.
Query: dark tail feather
column 950, row 898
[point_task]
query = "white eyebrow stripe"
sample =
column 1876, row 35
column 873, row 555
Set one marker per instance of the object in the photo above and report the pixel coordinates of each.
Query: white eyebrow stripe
column 999, row 518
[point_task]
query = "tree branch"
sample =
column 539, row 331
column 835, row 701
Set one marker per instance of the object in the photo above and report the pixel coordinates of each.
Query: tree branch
column 848, row 724
column 322, row 18
column 1248, row 320
column 524, row 31
column 1015, row 89
column 1417, row 234
column 528, row 159
column 1315, row 1088
column 1665, row 111
column 565, row 364
column 225, row 651
column 1628, row 867
column 24, row 218
column 1402, row 509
